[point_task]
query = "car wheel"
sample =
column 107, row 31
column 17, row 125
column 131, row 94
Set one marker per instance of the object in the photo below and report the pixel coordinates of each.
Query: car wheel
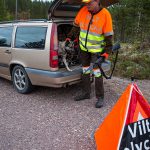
column 21, row 80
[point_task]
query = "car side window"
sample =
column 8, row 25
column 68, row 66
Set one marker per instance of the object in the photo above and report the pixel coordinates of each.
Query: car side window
column 5, row 36
column 30, row 37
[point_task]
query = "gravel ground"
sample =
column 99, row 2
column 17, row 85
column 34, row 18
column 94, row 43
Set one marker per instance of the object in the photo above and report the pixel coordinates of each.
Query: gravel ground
column 49, row 119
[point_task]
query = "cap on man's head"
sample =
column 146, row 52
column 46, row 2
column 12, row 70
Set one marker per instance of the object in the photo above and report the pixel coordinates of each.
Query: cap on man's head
column 86, row 1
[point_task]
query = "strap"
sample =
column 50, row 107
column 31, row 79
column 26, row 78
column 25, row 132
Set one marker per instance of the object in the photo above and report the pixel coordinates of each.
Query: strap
column 103, row 73
column 101, row 59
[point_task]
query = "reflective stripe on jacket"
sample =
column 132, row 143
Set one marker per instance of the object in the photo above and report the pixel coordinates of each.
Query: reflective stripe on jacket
column 93, row 29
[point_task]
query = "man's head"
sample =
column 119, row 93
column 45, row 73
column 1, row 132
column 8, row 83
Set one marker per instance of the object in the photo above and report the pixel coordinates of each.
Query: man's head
column 92, row 5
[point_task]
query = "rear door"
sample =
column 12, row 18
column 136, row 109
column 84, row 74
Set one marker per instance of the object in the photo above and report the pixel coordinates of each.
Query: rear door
column 5, row 49
column 30, row 49
column 69, row 8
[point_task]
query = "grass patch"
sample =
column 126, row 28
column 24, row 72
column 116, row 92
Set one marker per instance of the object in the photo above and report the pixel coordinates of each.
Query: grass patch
column 132, row 62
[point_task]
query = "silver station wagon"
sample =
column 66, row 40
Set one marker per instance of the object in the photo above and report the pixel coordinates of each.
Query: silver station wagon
column 32, row 52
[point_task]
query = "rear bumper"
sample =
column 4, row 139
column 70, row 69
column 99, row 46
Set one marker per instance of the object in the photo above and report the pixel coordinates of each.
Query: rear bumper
column 53, row 79
column 59, row 78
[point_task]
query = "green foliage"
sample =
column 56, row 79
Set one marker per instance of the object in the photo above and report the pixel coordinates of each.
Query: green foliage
column 2, row 10
column 133, row 62
column 132, row 25
column 27, row 9
column 131, row 20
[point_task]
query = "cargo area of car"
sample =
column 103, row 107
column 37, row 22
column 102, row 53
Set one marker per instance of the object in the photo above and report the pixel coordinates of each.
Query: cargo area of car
column 68, row 52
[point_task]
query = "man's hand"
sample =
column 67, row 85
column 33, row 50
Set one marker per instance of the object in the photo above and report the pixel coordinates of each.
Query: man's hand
column 105, row 55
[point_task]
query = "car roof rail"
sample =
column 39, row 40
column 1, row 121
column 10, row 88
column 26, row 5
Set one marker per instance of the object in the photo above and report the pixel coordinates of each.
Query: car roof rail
column 3, row 22
column 29, row 20
column 44, row 20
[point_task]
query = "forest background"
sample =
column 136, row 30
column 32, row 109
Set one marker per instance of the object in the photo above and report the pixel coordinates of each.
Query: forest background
column 131, row 20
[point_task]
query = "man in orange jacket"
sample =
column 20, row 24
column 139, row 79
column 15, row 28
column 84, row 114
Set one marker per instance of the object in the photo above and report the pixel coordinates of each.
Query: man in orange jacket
column 96, row 32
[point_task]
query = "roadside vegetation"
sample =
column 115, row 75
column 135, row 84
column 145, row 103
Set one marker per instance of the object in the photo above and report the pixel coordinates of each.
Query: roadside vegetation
column 132, row 30
column 133, row 61
column 27, row 9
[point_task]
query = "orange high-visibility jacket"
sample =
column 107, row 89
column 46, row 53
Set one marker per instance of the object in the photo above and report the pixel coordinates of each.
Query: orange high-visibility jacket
column 93, row 29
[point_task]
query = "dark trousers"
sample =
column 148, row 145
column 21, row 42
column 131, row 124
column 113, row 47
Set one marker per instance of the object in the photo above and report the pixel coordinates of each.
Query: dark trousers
column 87, row 58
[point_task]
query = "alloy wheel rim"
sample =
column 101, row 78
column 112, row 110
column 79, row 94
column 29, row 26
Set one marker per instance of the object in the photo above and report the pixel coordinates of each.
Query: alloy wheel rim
column 19, row 78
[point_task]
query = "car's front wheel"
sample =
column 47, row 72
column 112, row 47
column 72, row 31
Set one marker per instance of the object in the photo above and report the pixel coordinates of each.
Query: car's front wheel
column 21, row 80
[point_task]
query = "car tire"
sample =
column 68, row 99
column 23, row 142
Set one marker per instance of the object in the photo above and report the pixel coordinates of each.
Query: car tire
column 21, row 81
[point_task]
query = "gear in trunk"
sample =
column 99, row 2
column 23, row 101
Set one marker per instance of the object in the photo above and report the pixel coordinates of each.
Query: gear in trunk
column 68, row 52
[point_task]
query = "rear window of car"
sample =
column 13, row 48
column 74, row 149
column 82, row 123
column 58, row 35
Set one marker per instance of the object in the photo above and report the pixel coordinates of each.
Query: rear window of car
column 5, row 36
column 30, row 37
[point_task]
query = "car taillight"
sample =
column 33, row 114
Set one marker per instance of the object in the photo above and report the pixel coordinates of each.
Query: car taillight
column 53, row 62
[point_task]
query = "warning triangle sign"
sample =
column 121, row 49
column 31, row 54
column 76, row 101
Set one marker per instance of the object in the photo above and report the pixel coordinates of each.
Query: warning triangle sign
column 127, row 126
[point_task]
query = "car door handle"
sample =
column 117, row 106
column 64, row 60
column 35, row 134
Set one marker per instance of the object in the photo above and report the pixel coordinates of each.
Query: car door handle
column 8, row 51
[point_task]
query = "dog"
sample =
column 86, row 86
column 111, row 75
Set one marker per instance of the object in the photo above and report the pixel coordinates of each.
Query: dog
column 63, row 52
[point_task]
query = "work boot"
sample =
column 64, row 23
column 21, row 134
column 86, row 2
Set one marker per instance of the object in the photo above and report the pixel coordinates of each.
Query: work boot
column 100, row 102
column 99, row 87
column 82, row 97
column 86, row 88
